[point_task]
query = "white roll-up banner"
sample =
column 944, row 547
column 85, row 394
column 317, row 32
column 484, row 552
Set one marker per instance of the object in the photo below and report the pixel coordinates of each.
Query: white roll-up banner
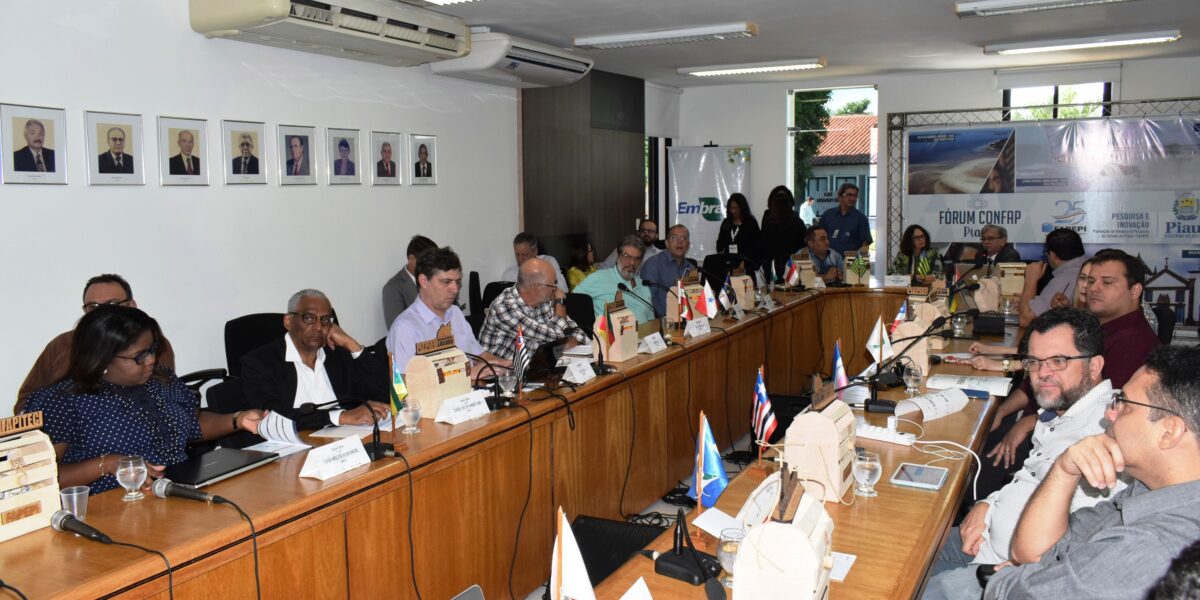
column 700, row 184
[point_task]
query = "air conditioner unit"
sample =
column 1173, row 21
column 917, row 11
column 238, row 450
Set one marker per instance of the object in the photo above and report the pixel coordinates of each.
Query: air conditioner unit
column 505, row 60
column 378, row 31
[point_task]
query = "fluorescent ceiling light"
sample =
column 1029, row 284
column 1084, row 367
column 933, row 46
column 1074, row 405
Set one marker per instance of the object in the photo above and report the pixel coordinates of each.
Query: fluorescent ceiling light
column 722, row 31
column 798, row 64
column 448, row 2
column 989, row 8
column 1098, row 41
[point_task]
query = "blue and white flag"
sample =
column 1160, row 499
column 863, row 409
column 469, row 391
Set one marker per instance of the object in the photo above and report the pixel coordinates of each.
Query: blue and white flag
column 710, row 475
column 840, row 379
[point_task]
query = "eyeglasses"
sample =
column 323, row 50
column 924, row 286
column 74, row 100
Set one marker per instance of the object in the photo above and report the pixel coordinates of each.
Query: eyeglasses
column 310, row 319
column 545, row 285
column 990, row 238
column 1118, row 398
column 90, row 306
column 1055, row 363
column 678, row 238
column 140, row 358
column 631, row 257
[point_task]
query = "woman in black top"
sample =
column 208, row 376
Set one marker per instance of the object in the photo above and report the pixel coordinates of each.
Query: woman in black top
column 782, row 230
column 739, row 230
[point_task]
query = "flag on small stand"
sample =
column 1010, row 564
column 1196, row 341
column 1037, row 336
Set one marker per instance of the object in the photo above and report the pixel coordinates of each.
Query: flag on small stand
column 878, row 344
column 397, row 392
column 793, row 273
column 708, row 307
column 839, row 370
column 922, row 267
column 605, row 327
column 764, row 417
column 901, row 316
column 858, row 266
column 568, row 574
column 685, row 307
column 520, row 358
column 710, row 478
column 726, row 295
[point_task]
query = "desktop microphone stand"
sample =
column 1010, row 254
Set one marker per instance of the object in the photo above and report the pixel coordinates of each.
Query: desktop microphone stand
column 497, row 399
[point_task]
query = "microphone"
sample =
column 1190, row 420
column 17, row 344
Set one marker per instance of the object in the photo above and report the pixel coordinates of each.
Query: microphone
column 624, row 288
column 497, row 399
column 375, row 448
column 165, row 487
column 63, row 520
column 654, row 284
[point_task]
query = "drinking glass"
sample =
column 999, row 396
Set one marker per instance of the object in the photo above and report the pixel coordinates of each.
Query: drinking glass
column 508, row 384
column 1006, row 305
column 727, row 549
column 410, row 415
column 131, row 474
column 959, row 323
column 866, row 472
column 75, row 500
column 912, row 380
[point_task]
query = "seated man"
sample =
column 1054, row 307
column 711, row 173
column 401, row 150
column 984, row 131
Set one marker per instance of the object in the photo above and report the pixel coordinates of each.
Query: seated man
column 647, row 232
column 664, row 271
column 1064, row 254
column 535, row 305
column 525, row 247
column 826, row 261
column 316, row 363
column 439, row 279
column 993, row 239
column 1118, row 548
column 401, row 290
column 1065, row 363
column 602, row 285
column 51, row 364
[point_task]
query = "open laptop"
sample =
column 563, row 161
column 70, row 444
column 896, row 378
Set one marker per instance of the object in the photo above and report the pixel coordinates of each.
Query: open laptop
column 216, row 465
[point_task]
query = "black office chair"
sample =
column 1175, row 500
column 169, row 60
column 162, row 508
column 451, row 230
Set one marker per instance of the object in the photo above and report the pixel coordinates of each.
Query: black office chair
column 718, row 266
column 1166, row 323
column 580, row 309
column 493, row 290
column 474, row 297
column 248, row 332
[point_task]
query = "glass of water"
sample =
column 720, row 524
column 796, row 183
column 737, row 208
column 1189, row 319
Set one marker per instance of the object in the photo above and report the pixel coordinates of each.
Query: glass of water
column 959, row 323
column 131, row 474
column 410, row 415
column 508, row 384
column 727, row 549
column 867, row 470
column 912, row 380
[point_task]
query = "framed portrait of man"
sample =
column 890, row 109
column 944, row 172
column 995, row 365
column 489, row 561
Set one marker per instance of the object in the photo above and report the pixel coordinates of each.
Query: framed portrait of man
column 182, row 144
column 245, row 159
column 384, row 150
column 34, row 139
column 115, row 151
column 423, row 154
column 297, row 157
column 344, row 164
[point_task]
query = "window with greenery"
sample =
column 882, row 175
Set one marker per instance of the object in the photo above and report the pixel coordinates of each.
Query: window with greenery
column 811, row 119
column 1043, row 102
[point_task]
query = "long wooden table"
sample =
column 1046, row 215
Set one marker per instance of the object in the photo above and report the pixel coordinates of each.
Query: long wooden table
column 471, row 484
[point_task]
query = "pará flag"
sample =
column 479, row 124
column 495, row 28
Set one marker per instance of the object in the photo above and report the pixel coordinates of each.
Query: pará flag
column 710, row 478
column 764, row 417
column 839, row 370
column 397, row 391
column 708, row 308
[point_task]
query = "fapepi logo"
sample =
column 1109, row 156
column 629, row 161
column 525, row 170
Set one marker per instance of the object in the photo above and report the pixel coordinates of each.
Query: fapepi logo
column 707, row 207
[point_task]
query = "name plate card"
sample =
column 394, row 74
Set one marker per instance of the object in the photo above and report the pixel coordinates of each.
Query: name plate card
column 696, row 328
column 900, row 281
column 580, row 372
column 768, row 302
column 334, row 459
column 463, row 408
column 652, row 344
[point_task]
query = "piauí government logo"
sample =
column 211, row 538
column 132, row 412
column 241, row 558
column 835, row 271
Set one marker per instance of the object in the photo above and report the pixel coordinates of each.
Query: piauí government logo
column 707, row 207
column 1187, row 207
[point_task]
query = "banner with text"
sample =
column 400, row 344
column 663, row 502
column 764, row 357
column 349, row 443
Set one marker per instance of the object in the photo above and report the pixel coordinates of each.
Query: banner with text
column 701, row 180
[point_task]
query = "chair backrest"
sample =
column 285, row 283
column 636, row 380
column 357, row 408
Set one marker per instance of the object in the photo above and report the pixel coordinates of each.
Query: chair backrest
column 580, row 309
column 1166, row 323
column 474, row 297
column 718, row 266
column 248, row 332
column 493, row 290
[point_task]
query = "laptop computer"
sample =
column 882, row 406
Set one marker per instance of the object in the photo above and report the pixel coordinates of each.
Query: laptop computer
column 216, row 465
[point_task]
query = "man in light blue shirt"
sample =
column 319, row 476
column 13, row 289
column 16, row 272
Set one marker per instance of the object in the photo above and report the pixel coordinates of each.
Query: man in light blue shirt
column 826, row 262
column 808, row 211
column 439, row 279
column 602, row 285
column 849, row 229
column 667, row 268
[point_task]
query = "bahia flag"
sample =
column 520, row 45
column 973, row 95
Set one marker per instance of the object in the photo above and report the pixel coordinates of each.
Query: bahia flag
column 521, row 357
column 568, row 574
column 878, row 344
column 901, row 316
column 710, row 478
column 726, row 295
column 793, row 273
column 840, row 379
column 397, row 391
column 764, row 417
column 708, row 308
column 685, row 307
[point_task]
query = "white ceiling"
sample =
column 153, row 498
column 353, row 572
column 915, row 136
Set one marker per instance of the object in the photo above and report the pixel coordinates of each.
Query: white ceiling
column 857, row 37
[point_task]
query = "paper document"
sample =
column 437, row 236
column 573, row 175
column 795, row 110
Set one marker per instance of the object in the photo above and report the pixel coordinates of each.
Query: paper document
column 841, row 566
column 638, row 591
column 343, row 431
column 277, row 428
column 713, row 521
column 996, row 386
column 281, row 448
column 581, row 351
column 934, row 405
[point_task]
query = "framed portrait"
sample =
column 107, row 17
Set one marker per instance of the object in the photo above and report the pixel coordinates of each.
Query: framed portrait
column 297, row 155
column 114, row 149
column 384, row 150
column 343, row 156
column 245, row 157
column 182, row 144
column 35, row 144
column 423, row 155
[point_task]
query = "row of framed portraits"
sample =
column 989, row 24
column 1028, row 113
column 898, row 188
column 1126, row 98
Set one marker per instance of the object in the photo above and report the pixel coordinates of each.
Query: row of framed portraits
column 36, row 140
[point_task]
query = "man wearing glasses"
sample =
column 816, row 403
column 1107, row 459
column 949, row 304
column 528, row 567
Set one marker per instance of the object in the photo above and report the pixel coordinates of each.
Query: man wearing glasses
column 1065, row 361
column 665, row 270
column 245, row 163
column 602, row 285
column 115, row 160
column 535, row 305
column 647, row 231
column 1120, row 548
column 994, row 240
column 51, row 364
column 317, row 363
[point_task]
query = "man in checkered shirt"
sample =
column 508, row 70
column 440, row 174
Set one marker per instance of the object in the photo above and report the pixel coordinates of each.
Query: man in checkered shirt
column 535, row 303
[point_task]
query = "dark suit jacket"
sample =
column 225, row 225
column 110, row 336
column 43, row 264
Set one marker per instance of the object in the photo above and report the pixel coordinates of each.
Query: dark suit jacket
column 23, row 160
column 379, row 168
column 251, row 169
column 398, row 294
column 291, row 164
column 417, row 169
column 175, row 165
column 270, row 381
column 349, row 167
column 108, row 165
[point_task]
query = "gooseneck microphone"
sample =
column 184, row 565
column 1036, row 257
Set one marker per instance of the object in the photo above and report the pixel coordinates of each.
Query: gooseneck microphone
column 165, row 487
column 63, row 520
column 497, row 399
column 624, row 288
column 375, row 448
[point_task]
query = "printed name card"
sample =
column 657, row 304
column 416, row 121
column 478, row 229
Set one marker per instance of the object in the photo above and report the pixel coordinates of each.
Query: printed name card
column 900, row 281
column 697, row 327
column 334, row 459
column 462, row 408
column 652, row 344
column 579, row 372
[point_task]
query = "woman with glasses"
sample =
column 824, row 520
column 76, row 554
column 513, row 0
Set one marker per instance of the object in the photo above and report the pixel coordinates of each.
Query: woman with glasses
column 116, row 402
column 917, row 258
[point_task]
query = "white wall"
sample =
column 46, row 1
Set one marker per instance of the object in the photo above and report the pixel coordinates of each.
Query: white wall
column 197, row 257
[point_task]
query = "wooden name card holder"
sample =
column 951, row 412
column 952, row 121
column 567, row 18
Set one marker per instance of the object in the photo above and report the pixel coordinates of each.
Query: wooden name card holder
column 743, row 288
column 438, row 371
column 624, row 331
column 28, row 476
column 819, row 446
column 808, row 273
column 1012, row 278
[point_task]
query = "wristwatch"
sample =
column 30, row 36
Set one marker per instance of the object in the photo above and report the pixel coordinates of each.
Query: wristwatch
column 235, row 420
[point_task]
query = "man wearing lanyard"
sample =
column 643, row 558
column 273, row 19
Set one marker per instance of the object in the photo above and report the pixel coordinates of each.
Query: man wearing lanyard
column 848, row 228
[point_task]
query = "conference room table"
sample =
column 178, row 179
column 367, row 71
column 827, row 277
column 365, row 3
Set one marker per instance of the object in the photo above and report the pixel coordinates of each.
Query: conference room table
column 474, row 503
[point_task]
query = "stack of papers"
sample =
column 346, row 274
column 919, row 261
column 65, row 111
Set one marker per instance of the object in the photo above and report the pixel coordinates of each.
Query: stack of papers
column 281, row 436
column 996, row 386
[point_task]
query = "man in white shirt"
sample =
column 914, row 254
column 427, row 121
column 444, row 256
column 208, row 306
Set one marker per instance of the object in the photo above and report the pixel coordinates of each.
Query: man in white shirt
column 525, row 247
column 1066, row 349
column 315, row 367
